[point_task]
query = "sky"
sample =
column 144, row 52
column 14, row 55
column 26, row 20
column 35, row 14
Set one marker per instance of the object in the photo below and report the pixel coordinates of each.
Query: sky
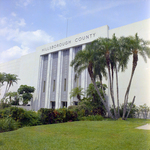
column 27, row 24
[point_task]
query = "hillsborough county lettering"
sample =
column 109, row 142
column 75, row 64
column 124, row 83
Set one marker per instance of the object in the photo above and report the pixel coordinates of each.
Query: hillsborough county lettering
column 78, row 39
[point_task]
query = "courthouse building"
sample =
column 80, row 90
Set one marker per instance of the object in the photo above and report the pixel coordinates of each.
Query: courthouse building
column 48, row 68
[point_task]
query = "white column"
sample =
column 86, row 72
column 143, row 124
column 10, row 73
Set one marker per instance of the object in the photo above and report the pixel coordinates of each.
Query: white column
column 59, row 79
column 83, row 75
column 70, row 77
column 39, row 82
column 48, row 82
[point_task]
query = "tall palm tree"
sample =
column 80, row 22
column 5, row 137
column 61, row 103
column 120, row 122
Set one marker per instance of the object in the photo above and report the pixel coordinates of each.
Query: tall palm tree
column 104, row 48
column 10, row 79
column 86, row 59
column 136, row 46
column 119, row 58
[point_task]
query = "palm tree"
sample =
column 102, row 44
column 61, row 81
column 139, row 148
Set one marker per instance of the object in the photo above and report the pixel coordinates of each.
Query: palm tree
column 105, row 50
column 77, row 92
column 10, row 79
column 136, row 46
column 86, row 59
column 2, row 78
column 119, row 57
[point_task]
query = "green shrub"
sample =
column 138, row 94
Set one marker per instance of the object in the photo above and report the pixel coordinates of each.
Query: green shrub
column 50, row 116
column 4, row 105
column 46, row 115
column 132, row 112
column 84, row 109
column 23, row 117
column 8, row 124
column 67, row 115
column 4, row 112
column 92, row 118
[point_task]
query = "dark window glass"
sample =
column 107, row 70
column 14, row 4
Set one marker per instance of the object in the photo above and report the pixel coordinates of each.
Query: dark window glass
column 65, row 85
column 64, row 104
column 44, row 86
column 53, row 105
column 54, row 85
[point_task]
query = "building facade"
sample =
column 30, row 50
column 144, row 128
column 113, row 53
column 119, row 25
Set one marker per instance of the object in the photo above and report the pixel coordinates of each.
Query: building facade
column 48, row 68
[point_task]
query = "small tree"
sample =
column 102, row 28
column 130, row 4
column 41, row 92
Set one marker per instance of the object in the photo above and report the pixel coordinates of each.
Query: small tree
column 13, row 98
column 25, row 91
column 77, row 92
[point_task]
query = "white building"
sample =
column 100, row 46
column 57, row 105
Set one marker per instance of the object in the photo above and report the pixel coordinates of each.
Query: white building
column 48, row 69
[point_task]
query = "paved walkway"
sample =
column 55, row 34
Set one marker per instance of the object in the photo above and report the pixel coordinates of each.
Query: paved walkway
column 145, row 127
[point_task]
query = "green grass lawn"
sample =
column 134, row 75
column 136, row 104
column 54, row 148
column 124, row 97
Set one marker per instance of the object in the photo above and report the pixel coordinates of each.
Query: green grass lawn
column 79, row 135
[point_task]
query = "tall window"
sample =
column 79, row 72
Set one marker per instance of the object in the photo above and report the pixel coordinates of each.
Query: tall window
column 44, row 87
column 53, row 105
column 64, row 104
column 54, row 85
column 77, row 82
column 64, row 84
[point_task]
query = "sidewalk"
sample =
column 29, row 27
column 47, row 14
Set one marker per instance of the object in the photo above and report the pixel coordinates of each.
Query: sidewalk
column 144, row 127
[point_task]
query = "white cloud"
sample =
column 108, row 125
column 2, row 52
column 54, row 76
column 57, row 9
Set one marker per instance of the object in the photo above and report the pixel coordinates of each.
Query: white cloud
column 13, row 14
column 3, row 21
column 13, row 23
column 57, row 3
column 27, row 41
column 21, row 22
column 23, row 2
column 26, row 38
column 103, row 5
column 13, row 53
column 32, row 39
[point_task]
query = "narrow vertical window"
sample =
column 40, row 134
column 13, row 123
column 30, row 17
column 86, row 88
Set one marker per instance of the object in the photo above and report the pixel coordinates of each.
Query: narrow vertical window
column 44, row 87
column 64, row 84
column 54, row 85
column 77, row 82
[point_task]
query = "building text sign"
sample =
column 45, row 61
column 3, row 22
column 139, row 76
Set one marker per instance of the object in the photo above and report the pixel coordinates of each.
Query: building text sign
column 68, row 42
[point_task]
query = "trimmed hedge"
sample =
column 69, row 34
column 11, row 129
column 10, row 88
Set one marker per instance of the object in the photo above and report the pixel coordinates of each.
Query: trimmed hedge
column 50, row 116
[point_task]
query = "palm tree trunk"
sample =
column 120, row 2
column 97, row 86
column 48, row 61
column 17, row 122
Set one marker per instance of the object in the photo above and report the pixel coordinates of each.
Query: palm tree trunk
column 117, row 91
column 92, row 78
column 130, row 108
column 111, row 90
column 100, row 78
column 109, row 74
column 105, row 105
column 5, row 91
column 135, row 59
column 79, row 97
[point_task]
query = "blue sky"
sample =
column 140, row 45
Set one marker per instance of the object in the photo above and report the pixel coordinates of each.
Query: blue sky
column 27, row 24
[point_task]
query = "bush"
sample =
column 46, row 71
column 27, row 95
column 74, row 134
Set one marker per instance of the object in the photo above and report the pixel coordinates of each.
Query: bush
column 67, row 115
column 142, row 111
column 84, row 109
column 8, row 124
column 23, row 117
column 92, row 118
column 4, row 105
column 132, row 112
column 50, row 116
